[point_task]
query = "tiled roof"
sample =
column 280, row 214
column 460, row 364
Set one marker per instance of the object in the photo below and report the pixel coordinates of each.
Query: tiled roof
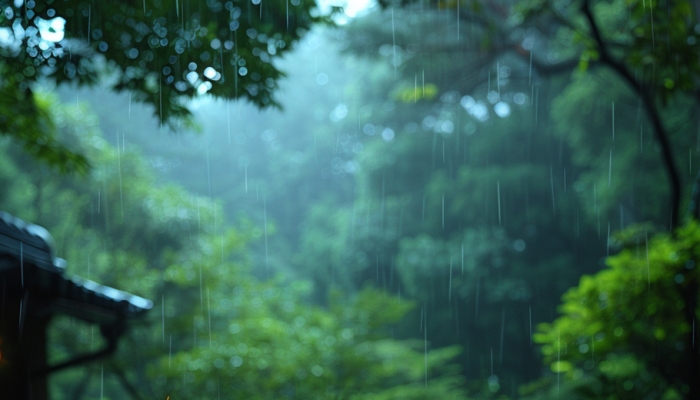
column 26, row 254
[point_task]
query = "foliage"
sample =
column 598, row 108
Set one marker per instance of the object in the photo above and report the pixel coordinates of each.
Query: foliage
column 481, row 216
column 163, row 53
column 215, row 329
column 619, row 166
column 461, row 199
column 28, row 119
column 623, row 331
column 627, row 46
column 610, row 126
column 271, row 345
column 671, row 67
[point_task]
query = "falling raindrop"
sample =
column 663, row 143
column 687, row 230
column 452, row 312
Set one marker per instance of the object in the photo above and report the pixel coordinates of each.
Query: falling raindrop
column 21, row 263
column 653, row 36
column 564, row 180
column 119, row 162
column 415, row 88
column 529, row 76
column 162, row 302
column 613, row 121
column 530, row 315
column 459, row 17
column 610, row 169
column 443, row 212
column 551, row 181
column 646, row 243
column 209, row 315
column 267, row 271
column 22, row 310
column 537, row 100
column 228, row 121
column 89, row 21
column 498, row 78
column 208, row 173
column 558, row 362
column 498, row 190
column 425, row 344
column 393, row 40
column 170, row 351
column 449, row 289
column 503, row 327
column 215, row 218
column 376, row 263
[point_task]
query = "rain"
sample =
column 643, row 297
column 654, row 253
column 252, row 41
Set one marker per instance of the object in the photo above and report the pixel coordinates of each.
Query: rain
column 350, row 199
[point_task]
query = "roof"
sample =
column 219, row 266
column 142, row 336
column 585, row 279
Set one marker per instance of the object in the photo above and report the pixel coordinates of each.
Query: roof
column 27, row 256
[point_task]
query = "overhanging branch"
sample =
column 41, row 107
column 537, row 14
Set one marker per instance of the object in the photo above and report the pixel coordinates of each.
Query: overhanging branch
column 650, row 106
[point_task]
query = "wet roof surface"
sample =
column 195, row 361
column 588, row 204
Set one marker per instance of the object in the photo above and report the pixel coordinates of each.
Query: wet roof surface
column 28, row 248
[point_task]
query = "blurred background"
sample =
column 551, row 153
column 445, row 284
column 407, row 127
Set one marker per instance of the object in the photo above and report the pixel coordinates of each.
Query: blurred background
column 433, row 177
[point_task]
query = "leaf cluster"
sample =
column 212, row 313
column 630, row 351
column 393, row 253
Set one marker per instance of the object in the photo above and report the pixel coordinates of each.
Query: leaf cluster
column 626, row 327
column 163, row 53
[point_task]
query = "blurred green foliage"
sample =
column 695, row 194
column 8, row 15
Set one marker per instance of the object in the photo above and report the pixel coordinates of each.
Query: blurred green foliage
column 624, row 331
column 497, row 190
column 27, row 118
column 447, row 171
column 215, row 329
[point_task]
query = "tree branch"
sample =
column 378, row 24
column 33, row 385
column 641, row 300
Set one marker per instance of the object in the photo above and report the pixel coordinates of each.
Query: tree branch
column 648, row 101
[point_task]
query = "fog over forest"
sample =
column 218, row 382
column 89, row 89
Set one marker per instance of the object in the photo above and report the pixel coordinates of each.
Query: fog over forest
column 405, row 200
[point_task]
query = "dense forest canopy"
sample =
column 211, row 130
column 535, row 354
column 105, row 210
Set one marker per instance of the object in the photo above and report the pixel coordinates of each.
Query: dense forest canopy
column 403, row 226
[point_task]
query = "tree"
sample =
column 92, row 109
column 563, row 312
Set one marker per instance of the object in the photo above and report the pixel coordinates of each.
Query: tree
column 464, row 201
column 163, row 52
column 215, row 329
column 619, row 36
column 626, row 44
column 626, row 332
column 620, row 168
column 643, row 53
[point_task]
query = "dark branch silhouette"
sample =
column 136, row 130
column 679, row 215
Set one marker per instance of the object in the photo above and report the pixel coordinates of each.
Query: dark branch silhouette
column 647, row 98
